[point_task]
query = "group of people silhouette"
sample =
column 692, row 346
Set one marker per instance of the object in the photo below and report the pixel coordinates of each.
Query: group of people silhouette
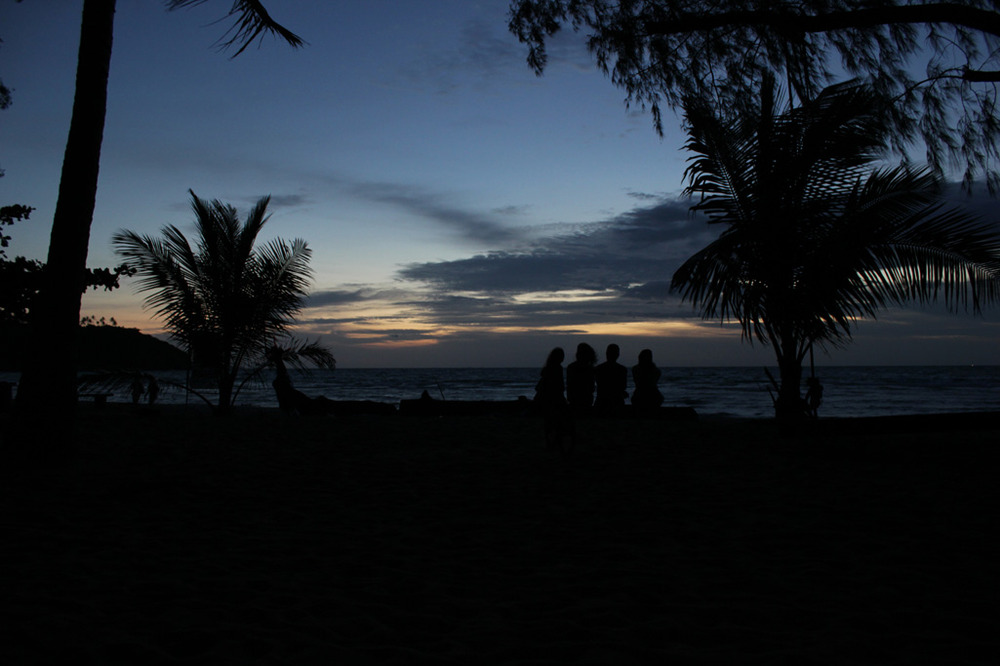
column 602, row 387
column 589, row 387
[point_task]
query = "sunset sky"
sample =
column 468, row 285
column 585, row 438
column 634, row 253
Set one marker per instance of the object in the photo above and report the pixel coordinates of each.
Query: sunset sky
column 461, row 210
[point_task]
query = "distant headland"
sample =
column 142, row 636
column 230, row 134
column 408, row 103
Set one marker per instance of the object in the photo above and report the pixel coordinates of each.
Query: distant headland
column 99, row 348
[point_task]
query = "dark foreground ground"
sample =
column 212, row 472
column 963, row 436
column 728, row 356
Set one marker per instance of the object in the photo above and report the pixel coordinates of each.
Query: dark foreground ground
column 178, row 538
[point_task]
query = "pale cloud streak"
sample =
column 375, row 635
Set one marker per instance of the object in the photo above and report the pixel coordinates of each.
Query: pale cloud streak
column 609, row 279
column 483, row 228
column 641, row 246
column 609, row 273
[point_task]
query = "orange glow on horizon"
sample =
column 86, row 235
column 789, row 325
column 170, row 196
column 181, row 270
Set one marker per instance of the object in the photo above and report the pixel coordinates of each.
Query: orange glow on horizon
column 378, row 333
column 387, row 328
column 400, row 344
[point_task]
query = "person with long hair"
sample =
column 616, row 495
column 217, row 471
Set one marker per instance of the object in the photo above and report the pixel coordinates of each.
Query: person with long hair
column 550, row 398
column 645, row 375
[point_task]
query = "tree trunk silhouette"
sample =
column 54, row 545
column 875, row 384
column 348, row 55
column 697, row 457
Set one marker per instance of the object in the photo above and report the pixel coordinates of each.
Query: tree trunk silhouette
column 789, row 405
column 47, row 391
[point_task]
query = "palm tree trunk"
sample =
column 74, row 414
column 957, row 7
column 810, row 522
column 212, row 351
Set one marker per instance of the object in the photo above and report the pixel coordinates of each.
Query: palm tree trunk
column 789, row 405
column 47, row 391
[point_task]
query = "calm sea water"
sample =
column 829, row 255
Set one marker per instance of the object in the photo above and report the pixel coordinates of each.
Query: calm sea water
column 741, row 391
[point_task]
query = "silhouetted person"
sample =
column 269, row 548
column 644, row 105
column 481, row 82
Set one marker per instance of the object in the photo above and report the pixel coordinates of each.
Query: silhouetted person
column 283, row 389
column 154, row 390
column 580, row 378
column 814, row 397
column 612, row 382
column 551, row 401
column 645, row 376
column 137, row 389
column 289, row 398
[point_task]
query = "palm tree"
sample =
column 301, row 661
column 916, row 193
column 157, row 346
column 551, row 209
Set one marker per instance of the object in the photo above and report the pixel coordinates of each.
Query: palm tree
column 816, row 235
column 225, row 300
column 48, row 384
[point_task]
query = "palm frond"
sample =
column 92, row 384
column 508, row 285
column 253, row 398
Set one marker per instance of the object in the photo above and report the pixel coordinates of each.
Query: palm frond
column 816, row 237
column 248, row 232
column 252, row 22
column 300, row 354
column 164, row 270
column 303, row 353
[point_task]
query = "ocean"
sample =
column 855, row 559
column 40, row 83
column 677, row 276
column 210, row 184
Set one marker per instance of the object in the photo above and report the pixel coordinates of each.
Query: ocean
column 731, row 391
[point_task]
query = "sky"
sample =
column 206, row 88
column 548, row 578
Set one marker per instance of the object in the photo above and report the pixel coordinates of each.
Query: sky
column 461, row 211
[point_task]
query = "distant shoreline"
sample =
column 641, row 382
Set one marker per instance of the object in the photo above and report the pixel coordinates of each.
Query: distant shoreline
column 739, row 392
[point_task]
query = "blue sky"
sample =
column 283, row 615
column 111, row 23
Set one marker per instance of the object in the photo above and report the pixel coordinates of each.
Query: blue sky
column 461, row 210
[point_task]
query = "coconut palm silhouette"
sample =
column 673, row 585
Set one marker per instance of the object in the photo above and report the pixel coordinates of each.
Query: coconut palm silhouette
column 225, row 299
column 816, row 236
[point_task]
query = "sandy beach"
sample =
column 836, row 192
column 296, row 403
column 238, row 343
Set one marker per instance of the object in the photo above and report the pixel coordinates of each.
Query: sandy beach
column 179, row 538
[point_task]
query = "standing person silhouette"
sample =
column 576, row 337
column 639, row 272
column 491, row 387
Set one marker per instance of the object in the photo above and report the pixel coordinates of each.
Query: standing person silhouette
column 549, row 397
column 645, row 375
column 154, row 389
column 814, row 397
column 137, row 389
column 580, row 378
column 612, row 382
